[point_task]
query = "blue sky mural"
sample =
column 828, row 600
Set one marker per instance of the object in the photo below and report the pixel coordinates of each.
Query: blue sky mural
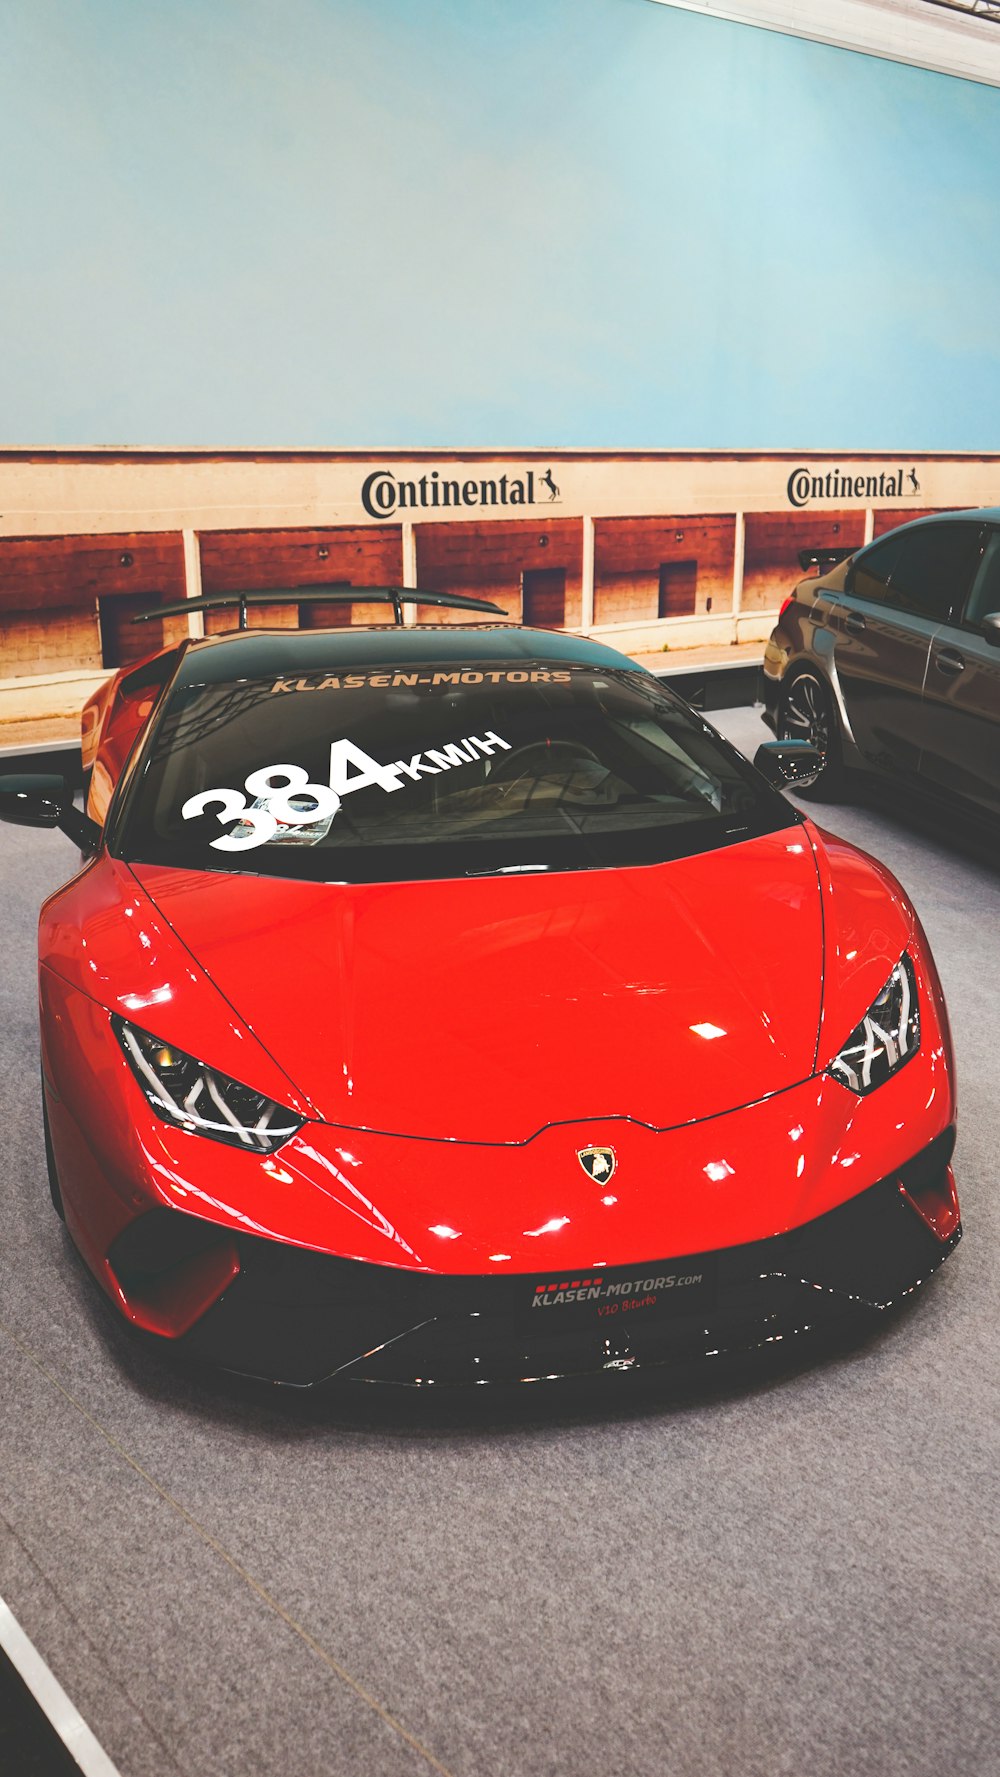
column 499, row 223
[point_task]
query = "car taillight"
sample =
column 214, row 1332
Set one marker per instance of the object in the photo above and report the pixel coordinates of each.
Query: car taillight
column 790, row 600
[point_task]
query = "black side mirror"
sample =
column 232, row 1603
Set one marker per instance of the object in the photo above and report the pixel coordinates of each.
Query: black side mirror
column 991, row 629
column 786, row 763
column 35, row 800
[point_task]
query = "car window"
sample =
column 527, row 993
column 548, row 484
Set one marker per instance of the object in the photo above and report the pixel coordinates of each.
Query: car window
column 396, row 775
column 874, row 568
column 152, row 673
column 984, row 597
column 924, row 571
column 935, row 565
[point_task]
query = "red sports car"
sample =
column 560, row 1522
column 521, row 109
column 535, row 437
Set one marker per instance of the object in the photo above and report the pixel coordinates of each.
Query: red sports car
column 453, row 1004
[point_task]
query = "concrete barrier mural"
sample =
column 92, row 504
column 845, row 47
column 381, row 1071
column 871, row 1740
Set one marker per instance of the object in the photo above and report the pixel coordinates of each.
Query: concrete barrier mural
column 654, row 550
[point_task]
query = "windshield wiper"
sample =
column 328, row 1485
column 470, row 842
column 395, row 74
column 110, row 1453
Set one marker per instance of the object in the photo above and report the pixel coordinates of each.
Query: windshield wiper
column 510, row 870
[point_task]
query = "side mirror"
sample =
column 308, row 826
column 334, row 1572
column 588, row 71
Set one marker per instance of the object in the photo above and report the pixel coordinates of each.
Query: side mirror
column 34, row 800
column 786, row 763
column 991, row 629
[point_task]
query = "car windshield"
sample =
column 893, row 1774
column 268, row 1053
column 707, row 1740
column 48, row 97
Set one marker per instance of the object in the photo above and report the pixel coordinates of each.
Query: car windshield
column 395, row 774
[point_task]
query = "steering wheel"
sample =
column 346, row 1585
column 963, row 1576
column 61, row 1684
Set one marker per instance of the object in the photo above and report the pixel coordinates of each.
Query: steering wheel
column 540, row 758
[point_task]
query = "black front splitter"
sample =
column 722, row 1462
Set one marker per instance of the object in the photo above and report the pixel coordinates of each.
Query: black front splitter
column 304, row 1318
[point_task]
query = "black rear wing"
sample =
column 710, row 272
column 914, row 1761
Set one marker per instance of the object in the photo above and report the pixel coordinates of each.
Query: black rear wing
column 824, row 559
column 396, row 596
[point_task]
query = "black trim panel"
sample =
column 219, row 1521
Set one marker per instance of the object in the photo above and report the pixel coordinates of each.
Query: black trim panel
column 304, row 1318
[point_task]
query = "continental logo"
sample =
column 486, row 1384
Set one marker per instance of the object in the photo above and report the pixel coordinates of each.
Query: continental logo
column 893, row 483
column 383, row 493
column 642, row 1291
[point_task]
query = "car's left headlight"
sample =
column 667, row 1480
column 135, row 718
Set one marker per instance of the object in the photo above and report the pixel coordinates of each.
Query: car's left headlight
column 887, row 1037
column 199, row 1098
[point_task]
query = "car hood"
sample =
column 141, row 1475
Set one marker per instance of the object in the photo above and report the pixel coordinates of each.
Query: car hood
column 483, row 1010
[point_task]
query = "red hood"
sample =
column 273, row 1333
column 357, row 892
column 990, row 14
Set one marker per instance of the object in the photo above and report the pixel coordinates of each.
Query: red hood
column 482, row 1010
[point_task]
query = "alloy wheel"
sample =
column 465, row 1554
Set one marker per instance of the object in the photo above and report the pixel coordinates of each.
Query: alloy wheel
column 805, row 713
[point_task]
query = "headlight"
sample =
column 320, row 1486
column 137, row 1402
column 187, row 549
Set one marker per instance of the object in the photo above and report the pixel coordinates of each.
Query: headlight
column 887, row 1037
column 190, row 1095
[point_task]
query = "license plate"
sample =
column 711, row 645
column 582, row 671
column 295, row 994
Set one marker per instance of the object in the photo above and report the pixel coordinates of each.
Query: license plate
column 660, row 1288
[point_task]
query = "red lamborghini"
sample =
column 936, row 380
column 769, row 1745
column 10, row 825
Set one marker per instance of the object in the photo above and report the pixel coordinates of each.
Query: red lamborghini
column 455, row 1005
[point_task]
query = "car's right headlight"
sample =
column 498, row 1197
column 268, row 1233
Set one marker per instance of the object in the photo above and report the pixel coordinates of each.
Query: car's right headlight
column 200, row 1099
column 887, row 1037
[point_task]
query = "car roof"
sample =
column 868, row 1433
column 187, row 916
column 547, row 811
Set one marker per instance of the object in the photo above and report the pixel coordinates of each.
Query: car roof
column 967, row 514
column 255, row 653
column 964, row 515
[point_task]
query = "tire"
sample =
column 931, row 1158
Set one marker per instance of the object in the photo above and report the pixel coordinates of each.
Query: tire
column 806, row 711
column 50, row 1162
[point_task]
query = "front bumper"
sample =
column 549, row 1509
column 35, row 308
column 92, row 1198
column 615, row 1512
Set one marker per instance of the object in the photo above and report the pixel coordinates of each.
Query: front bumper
column 366, row 1256
column 304, row 1318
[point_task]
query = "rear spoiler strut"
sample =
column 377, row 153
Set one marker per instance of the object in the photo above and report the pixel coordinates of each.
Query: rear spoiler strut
column 823, row 558
column 396, row 596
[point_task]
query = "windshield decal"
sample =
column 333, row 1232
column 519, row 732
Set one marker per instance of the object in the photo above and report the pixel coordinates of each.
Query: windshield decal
column 407, row 681
column 287, row 807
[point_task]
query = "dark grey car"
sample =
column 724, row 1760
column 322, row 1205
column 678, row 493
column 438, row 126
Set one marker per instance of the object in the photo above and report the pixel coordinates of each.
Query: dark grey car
column 891, row 661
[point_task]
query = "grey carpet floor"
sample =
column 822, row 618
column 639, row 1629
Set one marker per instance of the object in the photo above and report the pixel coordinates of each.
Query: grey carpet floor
column 789, row 1570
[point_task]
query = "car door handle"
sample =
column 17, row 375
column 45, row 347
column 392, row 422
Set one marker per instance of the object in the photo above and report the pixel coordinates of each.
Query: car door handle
column 854, row 621
column 948, row 660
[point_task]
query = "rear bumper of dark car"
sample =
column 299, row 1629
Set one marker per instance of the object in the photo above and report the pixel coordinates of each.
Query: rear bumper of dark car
column 776, row 657
column 302, row 1318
